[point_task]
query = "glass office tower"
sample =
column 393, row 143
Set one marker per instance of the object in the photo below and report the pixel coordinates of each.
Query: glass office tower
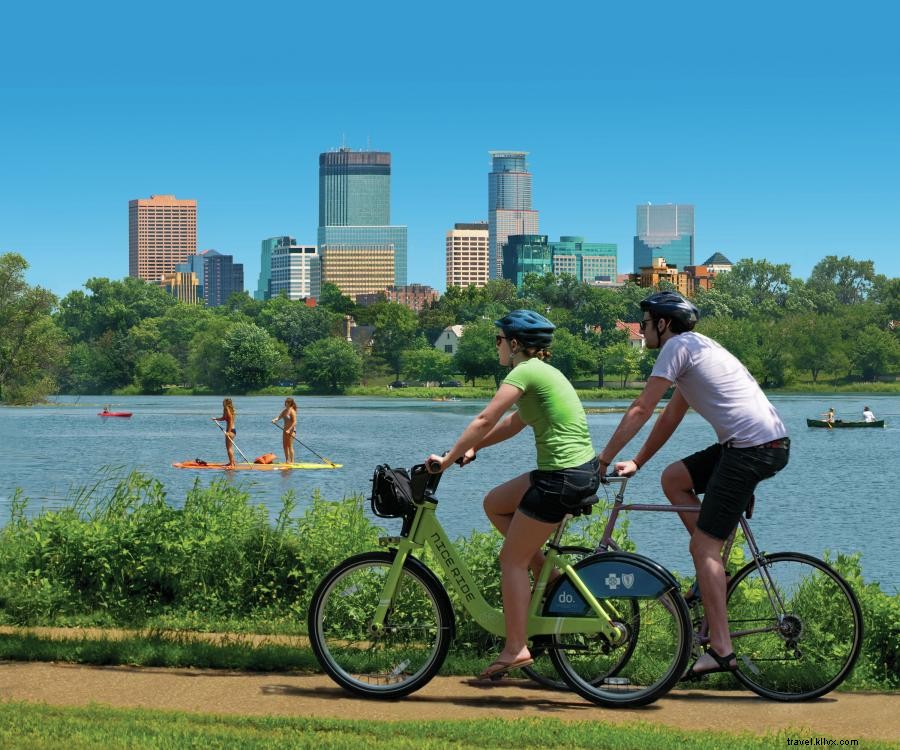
column 665, row 231
column 355, row 206
column 524, row 254
column 267, row 247
column 591, row 262
column 509, row 205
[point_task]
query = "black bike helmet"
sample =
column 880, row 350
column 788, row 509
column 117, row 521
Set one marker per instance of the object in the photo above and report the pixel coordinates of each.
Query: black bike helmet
column 527, row 327
column 671, row 305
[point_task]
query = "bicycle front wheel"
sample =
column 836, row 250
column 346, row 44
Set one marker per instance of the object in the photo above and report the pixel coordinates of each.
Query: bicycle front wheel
column 399, row 657
column 652, row 649
column 796, row 627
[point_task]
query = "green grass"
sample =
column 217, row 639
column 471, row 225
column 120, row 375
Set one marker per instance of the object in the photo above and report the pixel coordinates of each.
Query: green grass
column 37, row 727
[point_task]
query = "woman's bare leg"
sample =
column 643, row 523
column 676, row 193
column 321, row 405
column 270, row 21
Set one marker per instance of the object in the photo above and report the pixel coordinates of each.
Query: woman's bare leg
column 500, row 505
column 524, row 538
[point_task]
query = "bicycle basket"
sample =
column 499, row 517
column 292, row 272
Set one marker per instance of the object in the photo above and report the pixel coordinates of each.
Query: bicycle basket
column 392, row 495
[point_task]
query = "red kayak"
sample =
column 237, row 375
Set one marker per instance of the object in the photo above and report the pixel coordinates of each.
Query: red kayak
column 113, row 413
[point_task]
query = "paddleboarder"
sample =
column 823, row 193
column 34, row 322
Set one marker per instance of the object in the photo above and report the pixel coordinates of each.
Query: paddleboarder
column 230, row 431
column 289, row 428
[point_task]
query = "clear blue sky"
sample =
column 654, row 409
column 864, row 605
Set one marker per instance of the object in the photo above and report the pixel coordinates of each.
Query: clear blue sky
column 780, row 122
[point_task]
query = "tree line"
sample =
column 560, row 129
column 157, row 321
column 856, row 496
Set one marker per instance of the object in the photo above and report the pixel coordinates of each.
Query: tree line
column 130, row 336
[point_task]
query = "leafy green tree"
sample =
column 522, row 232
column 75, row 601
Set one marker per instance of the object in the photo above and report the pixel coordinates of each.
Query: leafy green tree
column 476, row 354
column 297, row 325
column 110, row 306
column 874, row 352
column 332, row 299
column 396, row 331
column 756, row 286
column 331, row 365
column 814, row 343
column 178, row 326
column 252, row 357
column 207, row 357
column 428, row 365
column 572, row 355
column 157, row 370
column 30, row 343
column 850, row 280
column 622, row 359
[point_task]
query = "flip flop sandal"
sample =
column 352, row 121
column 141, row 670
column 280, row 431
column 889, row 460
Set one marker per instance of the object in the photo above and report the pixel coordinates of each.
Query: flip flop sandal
column 496, row 669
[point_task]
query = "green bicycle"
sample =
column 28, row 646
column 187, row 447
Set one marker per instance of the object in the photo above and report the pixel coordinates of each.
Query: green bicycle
column 614, row 625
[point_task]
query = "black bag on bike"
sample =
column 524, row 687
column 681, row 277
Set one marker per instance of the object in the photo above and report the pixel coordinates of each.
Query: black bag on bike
column 392, row 494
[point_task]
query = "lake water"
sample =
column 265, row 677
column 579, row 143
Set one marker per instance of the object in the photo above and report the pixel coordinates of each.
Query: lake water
column 839, row 492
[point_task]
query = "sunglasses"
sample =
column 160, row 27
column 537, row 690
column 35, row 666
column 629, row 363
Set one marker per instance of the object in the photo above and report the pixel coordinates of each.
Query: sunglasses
column 499, row 338
column 644, row 322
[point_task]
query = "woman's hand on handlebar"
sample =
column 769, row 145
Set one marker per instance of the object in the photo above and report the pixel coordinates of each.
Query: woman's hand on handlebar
column 467, row 457
column 435, row 464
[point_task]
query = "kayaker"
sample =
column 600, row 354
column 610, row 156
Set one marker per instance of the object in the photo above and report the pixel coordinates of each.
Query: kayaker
column 230, row 430
column 289, row 428
column 868, row 415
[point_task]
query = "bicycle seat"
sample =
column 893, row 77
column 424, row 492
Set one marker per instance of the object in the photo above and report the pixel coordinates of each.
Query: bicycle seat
column 585, row 508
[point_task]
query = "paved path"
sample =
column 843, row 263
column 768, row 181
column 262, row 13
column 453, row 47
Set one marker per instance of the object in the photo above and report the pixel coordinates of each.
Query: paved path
column 838, row 715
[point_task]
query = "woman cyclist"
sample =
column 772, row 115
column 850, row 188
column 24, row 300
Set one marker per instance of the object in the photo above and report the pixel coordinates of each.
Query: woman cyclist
column 528, row 508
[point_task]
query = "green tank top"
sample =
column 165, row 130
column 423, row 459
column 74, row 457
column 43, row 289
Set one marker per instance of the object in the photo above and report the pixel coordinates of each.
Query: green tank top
column 550, row 406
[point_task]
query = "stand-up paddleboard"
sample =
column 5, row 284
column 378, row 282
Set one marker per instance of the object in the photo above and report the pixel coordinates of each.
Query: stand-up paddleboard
column 251, row 467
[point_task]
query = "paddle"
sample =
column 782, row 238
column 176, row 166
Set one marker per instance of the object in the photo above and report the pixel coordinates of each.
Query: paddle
column 326, row 460
column 246, row 460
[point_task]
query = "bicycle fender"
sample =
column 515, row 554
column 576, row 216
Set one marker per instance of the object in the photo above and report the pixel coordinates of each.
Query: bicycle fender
column 609, row 575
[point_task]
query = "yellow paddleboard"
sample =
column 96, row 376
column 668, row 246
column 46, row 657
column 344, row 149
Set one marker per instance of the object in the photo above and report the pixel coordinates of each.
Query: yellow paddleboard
column 251, row 467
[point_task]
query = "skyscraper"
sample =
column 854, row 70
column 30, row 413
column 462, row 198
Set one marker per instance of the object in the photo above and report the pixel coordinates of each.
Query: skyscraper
column 267, row 246
column 509, row 204
column 467, row 255
column 162, row 232
column 664, row 231
column 296, row 270
column 222, row 277
column 355, row 213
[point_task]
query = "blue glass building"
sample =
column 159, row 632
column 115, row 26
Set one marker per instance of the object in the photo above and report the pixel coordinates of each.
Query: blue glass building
column 355, row 205
column 590, row 262
column 664, row 231
column 509, row 205
column 267, row 246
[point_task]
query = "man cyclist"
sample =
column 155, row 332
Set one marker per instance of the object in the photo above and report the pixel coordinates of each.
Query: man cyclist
column 751, row 445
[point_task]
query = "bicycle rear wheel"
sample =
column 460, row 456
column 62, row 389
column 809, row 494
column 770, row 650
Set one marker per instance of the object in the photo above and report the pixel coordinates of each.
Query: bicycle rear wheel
column 652, row 652
column 799, row 640
column 403, row 655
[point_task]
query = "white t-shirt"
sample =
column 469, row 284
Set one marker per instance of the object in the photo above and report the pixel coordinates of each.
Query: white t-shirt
column 719, row 388
column 868, row 416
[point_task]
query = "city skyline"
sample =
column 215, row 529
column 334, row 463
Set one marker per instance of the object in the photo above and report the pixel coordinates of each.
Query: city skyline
column 789, row 155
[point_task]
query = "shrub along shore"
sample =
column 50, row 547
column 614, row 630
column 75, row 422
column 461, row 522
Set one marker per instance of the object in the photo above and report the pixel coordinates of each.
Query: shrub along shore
column 121, row 555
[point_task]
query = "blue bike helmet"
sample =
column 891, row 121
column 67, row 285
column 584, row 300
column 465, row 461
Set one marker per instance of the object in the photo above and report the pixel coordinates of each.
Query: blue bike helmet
column 527, row 327
column 671, row 305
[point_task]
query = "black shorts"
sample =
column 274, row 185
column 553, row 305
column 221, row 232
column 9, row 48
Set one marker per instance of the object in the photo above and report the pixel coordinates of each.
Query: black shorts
column 553, row 494
column 726, row 477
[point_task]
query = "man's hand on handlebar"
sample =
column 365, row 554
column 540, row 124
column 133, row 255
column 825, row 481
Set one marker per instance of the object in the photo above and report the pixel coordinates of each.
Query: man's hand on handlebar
column 625, row 468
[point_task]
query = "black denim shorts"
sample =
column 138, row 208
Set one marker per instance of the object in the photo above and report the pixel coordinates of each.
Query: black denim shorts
column 726, row 477
column 553, row 494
